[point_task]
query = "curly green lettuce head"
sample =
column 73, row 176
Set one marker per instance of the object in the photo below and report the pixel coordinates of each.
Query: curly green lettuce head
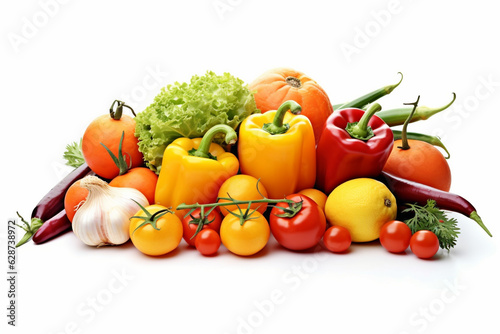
column 189, row 110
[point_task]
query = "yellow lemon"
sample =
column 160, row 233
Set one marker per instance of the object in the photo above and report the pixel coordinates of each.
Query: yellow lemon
column 362, row 206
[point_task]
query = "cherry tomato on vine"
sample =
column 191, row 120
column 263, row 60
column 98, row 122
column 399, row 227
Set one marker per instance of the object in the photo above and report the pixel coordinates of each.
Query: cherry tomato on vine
column 155, row 230
column 242, row 187
column 190, row 224
column 337, row 239
column 297, row 226
column 244, row 236
column 395, row 236
column 424, row 244
column 207, row 242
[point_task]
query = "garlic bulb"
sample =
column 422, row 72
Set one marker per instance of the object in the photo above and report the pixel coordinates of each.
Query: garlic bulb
column 104, row 217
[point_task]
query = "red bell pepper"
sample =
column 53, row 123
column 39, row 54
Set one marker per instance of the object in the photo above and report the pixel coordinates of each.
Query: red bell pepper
column 353, row 144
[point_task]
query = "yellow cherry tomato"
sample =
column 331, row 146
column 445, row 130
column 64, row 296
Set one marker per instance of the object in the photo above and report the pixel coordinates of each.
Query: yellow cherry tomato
column 247, row 238
column 158, row 232
column 316, row 195
column 244, row 188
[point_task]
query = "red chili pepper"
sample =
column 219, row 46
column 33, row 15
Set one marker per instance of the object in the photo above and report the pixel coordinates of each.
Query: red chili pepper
column 354, row 144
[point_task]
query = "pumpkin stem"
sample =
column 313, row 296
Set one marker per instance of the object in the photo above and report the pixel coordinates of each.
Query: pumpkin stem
column 294, row 82
column 119, row 109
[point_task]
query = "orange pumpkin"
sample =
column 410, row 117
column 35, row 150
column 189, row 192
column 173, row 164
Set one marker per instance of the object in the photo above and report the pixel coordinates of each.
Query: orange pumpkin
column 107, row 129
column 281, row 84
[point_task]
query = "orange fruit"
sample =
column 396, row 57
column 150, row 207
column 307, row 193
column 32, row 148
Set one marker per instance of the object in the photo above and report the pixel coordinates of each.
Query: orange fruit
column 422, row 163
column 316, row 195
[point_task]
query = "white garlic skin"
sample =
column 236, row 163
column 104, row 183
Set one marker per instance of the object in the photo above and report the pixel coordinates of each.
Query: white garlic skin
column 104, row 217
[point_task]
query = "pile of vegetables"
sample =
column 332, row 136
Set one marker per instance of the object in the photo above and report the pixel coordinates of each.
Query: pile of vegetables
column 216, row 162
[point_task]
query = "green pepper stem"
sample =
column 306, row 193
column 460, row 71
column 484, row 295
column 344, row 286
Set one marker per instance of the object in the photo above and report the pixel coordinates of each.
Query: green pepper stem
column 404, row 137
column 203, row 149
column 363, row 122
column 277, row 126
column 361, row 130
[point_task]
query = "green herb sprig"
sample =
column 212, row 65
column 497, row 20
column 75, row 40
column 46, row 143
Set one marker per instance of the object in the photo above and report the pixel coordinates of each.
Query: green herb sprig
column 73, row 154
column 430, row 217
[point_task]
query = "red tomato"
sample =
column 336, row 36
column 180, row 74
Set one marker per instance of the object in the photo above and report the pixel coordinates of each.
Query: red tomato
column 395, row 236
column 190, row 224
column 337, row 239
column 424, row 244
column 207, row 242
column 302, row 231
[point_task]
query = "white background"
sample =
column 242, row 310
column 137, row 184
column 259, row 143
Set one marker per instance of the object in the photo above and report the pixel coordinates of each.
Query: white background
column 63, row 65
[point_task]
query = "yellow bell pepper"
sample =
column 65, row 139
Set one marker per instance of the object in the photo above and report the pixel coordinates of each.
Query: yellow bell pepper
column 278, row 147
column 194, row 169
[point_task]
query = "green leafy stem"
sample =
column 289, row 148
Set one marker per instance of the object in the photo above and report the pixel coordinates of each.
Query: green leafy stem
column 293, row 207
column 430, row 217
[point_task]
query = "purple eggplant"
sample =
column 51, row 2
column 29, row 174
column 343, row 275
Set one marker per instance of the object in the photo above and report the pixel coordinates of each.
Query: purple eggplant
column 407, row 191
column 53, row 227
column 52, row 203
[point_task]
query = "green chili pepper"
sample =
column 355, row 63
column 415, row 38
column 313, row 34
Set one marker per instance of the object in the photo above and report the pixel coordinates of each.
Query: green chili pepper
column 336, row 106
column 398, row 116
column 433, row 140
column 368, row 98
